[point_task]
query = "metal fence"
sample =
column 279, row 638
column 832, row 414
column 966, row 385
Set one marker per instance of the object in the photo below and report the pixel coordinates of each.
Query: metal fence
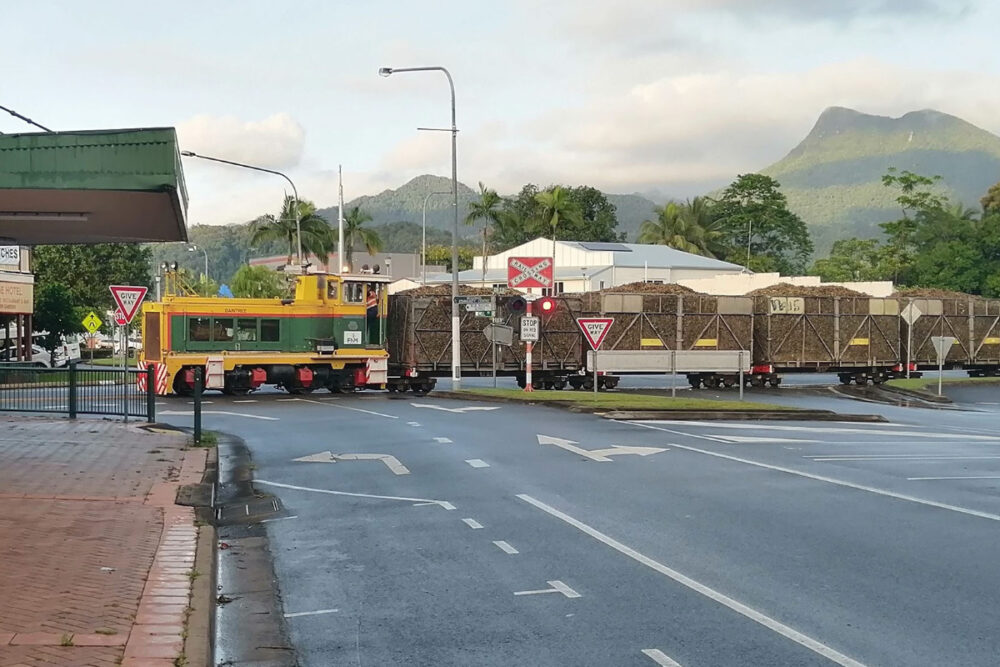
column 77, row 391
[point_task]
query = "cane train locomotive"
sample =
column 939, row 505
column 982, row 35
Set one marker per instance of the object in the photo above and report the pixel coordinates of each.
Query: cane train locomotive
column 330, row 335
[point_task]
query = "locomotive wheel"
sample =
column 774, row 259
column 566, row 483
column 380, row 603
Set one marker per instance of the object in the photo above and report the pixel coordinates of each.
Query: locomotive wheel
column 181, row 387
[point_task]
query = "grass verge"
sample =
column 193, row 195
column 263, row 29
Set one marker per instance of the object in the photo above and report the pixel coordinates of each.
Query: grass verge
column 615, row 401
column 929, row 382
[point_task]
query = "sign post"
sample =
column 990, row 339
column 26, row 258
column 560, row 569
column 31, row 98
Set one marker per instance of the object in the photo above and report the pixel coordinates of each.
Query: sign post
column 942, row 344
column 595, row 329
column 91, row 323
column 910, row 314
column 128, row 298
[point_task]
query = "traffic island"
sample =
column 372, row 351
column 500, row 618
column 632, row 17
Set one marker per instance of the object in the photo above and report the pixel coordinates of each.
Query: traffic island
column 614, row 405
column 925, row 388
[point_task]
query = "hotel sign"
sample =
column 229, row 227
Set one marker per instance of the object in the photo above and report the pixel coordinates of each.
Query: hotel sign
column 10, row 255
column 17, row 298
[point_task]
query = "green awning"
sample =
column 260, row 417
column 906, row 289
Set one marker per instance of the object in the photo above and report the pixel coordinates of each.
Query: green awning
column 92, row 186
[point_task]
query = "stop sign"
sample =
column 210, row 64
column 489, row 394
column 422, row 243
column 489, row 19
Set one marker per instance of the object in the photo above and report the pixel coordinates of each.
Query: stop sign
column 120, row 317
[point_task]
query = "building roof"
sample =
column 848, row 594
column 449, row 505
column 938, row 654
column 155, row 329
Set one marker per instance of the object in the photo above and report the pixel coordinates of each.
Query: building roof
column 92, row 186
column 660, row 256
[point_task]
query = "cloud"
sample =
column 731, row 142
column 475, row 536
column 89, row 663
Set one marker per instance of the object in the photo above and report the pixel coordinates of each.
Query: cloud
column 275, row 142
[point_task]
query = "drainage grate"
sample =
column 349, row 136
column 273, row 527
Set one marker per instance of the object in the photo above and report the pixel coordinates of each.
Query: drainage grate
column 249, row 511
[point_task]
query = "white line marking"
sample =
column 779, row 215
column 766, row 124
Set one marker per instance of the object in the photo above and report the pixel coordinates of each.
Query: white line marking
column 505, row 547
column 470, row 408
column 203, row 402
column 477, row 463
column 342, row 407
column 413, row 423
column 443, row 441
column 311, row 613
column 557, row 587
column 247, row 400
column 441, row 503
column 902, row 459
column 830, row 480
column 280, row 518
column 659, row 657
column 811, row 429
column 219, row 412
column 391, row 462
column 725, row 600
column 920, row 479
column 750, row 439
column 472, row 523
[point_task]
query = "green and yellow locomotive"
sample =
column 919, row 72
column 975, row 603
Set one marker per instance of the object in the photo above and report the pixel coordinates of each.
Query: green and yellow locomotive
column 331, row 334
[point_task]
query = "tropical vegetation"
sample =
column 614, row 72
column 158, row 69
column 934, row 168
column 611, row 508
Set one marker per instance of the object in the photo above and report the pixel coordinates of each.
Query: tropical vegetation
column 356, row 233
column 317, row 237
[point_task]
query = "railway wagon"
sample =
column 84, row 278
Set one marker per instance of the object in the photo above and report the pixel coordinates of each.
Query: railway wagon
column 972, row 321
column 420, row 344
column 330, row 334
column 667, row 318
column 856, row 337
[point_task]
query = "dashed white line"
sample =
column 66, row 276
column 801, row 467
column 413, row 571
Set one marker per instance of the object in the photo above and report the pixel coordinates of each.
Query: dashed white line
column 472, row 523
column 413, row 423
column 907, row 458
column 443, row 441
column 659, row 657
column 830, row 480
column 725, row 600
column 311, row 613
column 920, row 479
column 280, row 518
column 248, row 400
column 477, row 463
column 505, row 547
column 441, row 503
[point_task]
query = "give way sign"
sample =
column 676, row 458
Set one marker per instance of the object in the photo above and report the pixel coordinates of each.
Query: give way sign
column 128, row 298
column 595, row 329
column 529, row 272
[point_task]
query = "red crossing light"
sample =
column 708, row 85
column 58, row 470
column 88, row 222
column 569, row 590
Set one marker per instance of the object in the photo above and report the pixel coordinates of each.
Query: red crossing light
column 546, row 305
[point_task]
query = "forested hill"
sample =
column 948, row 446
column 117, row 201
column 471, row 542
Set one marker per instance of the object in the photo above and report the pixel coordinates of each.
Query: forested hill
column 833, row 177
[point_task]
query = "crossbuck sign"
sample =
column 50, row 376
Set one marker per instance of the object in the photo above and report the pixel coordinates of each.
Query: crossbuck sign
column 525, row 272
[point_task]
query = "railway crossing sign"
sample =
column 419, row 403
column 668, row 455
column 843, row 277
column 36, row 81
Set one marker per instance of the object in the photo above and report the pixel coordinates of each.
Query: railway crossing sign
column 529, row 329
column 910, row 314
column 595, row 329
column 525, row 272
column 128, row 298
column 92, row 322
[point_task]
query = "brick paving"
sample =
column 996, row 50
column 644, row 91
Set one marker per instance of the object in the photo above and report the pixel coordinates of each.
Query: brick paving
column 95, row 556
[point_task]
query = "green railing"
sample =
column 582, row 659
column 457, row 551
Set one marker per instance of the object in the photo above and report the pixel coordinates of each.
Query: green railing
column 77, row 391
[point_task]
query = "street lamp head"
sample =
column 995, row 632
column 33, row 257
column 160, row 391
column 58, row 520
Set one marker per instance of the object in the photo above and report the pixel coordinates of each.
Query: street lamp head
column 384, row 71
column 188, row 154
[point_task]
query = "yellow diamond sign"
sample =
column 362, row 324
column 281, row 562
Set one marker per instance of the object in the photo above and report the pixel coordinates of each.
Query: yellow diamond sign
column 92, row 322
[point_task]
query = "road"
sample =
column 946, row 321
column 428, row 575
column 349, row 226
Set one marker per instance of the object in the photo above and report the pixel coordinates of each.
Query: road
column 470, row 540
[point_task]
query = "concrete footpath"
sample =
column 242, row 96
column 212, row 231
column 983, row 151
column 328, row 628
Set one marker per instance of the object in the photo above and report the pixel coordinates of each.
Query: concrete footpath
column 96, row 561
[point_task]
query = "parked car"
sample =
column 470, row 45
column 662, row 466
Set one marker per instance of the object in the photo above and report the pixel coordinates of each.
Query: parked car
column 39, row 357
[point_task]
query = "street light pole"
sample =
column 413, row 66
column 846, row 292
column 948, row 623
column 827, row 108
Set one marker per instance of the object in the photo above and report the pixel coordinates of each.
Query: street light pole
column 295, row 192
column 192, row 248
column 423, row 241
column 456, row 357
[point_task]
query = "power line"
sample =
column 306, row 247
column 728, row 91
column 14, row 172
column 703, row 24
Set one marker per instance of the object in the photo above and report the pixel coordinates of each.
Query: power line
column 24, row 118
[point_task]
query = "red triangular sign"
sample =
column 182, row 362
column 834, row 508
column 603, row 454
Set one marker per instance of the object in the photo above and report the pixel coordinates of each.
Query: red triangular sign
column 595, row 329
column 128, row 298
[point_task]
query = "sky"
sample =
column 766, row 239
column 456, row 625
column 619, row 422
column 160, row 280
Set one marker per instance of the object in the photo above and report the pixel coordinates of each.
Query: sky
column 673, row 97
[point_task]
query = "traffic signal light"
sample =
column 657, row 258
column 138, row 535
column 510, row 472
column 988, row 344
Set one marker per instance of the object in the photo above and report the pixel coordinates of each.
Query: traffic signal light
column 517, row 305
column 546, row 305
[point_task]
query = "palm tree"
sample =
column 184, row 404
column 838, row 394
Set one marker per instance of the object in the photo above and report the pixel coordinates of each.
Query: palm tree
column 686, row 227
column 558, row 207
column 317, row 236
column 488, row 210
column 355, row 232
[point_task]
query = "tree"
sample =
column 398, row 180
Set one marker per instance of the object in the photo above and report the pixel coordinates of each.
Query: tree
column 753, row 219
column 598, row 216
column 557, row 206
column 55, row 313
column 257, row 282
column 487, row 209
column 991, row 201
column 355, row 232
column 918, row 204
column 88, row 270
column 524, row 217
column 688, row 227
column 852, row 259
column 317, row 236
column 441, row 255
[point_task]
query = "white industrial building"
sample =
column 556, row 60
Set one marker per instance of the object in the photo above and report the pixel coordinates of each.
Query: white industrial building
column 583, row 266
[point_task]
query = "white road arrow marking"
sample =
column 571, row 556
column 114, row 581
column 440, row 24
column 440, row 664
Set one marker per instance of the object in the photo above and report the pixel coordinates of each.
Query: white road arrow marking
column 391, row 462
column 600, row 455
column 557, row 587
column 443, row 441
column 471, row 408
column 660, row 658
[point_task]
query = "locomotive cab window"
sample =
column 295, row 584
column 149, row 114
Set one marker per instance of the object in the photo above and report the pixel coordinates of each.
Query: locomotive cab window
column 331, row 289
column 246, row 330
column 270, row 331
column 354, row 292
column 222, row 330
column 200, row 329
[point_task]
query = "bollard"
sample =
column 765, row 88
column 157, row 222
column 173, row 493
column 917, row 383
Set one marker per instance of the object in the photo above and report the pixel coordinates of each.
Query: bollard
column 199, row 375
column 150, row 393
column 72, row 390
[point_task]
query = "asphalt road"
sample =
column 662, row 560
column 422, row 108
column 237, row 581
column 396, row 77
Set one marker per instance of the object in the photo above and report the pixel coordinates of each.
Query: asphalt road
column 477, row 543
